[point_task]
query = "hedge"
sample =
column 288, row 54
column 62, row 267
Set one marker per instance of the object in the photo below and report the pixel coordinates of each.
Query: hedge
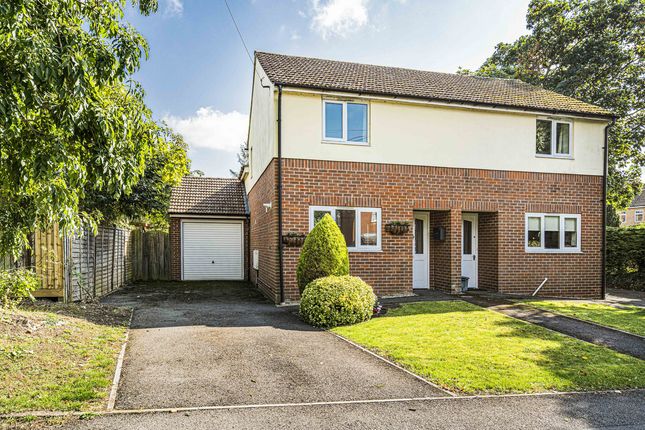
column 626, row 257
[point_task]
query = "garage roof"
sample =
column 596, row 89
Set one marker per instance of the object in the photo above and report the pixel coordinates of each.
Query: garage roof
column 199, row 195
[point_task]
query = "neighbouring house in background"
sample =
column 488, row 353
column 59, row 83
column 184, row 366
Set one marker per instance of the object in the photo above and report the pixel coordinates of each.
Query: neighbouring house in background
column 431, row 177
column 208, row 230
column 635, row 213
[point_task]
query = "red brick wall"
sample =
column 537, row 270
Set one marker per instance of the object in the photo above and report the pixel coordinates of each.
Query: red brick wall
column 175, row 248
column 445, row 273
column 264, row 233
column 488, row 249
column 400, row 189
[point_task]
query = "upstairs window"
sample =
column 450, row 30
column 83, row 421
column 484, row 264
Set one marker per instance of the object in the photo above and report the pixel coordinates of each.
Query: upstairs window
column 345, row 122
column 623, row 217
column 361, row 227
column 553, row 138
column 552, row 233
column 638, row 216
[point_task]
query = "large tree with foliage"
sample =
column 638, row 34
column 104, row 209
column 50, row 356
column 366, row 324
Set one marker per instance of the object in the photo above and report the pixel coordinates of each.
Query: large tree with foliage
column 592, row 50
column 146, row 205
column 73, row 125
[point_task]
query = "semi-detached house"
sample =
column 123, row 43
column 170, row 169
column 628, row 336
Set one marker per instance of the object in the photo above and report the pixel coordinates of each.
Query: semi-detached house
column 498, row 181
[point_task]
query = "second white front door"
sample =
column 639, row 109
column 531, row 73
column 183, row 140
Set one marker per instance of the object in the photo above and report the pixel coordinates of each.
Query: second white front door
column 420, row 251
column 470, row 225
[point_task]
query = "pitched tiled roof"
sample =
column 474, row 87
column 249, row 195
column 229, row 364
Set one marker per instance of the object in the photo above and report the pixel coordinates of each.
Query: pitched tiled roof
column 316, row 73
column 208, row 196
column 639, row 201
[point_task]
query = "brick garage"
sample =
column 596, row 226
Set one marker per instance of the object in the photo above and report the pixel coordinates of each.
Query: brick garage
column 209, row 230
column 501, row 198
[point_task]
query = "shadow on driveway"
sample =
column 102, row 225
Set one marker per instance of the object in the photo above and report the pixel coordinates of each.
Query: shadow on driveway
column 222, row 343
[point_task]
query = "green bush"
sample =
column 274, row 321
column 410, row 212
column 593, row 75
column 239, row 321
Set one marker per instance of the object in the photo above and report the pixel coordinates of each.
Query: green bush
column 626, row 257
column 337, row 300
column 324, row 253
column 16, row 285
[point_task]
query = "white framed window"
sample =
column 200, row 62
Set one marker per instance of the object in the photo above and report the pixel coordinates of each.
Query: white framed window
column 638, row 216
column 553, row 138
column 361, row 227
column 623, row 217
column 552, row 232
column 345, row 122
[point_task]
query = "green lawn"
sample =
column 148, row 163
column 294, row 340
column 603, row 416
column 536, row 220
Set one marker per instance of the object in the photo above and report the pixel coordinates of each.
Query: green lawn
column 629, row 318
column 58, row 357
column 472, row 350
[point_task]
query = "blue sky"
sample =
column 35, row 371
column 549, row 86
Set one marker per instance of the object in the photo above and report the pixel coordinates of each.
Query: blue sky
column 198, row 77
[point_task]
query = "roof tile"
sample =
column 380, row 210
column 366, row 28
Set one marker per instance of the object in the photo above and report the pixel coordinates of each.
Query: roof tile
column 208, row 196
column 316, row 73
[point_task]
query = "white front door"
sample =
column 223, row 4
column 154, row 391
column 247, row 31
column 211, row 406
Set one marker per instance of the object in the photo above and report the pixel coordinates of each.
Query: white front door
column 469, row 235
column 420, row 251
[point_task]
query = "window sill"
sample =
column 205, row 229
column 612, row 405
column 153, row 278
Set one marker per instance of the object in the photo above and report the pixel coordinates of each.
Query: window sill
column 552, row 251
column 345, row 143
column 558, row 157
column 359, row 250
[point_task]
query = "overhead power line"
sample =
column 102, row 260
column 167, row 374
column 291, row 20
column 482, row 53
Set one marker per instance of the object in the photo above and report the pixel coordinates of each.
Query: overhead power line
column 230, row 13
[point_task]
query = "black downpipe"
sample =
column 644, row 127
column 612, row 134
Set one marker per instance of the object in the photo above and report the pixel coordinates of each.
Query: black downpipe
column 603, row 264
column 280, row 263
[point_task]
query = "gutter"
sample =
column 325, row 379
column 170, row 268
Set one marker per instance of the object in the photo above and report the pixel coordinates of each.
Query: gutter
column 280, row 247
column 603, row 263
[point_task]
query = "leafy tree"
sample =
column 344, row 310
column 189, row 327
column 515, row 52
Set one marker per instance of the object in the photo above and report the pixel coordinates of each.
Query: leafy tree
column 73, row 124
column 242, row 159
column 593, row 51
column 147, row 204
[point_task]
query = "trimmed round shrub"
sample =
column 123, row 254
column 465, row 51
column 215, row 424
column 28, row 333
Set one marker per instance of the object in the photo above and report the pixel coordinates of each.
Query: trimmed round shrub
column 324, row 253
column 337, row 300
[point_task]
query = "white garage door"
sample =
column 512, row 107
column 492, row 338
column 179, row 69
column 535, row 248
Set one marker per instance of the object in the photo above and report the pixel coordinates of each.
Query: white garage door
column 213, row 250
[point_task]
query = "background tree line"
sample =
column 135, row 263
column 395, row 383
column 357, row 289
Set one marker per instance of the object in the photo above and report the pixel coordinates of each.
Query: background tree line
column 592, row 50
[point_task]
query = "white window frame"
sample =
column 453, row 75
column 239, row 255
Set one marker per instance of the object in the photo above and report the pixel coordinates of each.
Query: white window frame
column 562, row 249
column 343, row 139
column 623, row 217
column 357, row 225
column 554, row 138
column 638, row 213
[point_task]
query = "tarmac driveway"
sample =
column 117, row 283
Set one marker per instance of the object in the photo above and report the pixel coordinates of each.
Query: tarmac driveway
column 209, row 344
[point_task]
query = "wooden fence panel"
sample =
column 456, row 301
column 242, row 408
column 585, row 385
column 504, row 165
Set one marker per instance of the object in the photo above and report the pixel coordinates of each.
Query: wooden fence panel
column 48, row 263
column 84, row 266
column 149, row 256
column 96, row 264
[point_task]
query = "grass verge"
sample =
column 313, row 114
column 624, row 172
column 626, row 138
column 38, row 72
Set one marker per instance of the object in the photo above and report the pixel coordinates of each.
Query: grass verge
column 59, row 357
column 471, row 350
column 627, row 318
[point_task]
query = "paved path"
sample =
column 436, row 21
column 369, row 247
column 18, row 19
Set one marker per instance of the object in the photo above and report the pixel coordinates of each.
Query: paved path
column 625, row 297
column 614, row 339
column 579, row 411
column 206, row 344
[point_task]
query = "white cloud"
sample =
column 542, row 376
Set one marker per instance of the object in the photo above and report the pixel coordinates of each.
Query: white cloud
column 212, row 129
column 338, row 17
column 174, row 8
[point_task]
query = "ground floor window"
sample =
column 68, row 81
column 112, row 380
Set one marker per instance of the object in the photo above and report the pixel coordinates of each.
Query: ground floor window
column 361, row 227
column 552, row 232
